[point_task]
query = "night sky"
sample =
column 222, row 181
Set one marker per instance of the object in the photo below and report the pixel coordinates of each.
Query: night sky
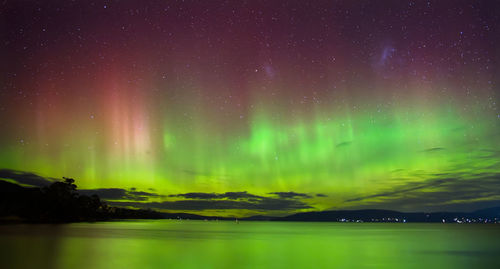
column 246, row 107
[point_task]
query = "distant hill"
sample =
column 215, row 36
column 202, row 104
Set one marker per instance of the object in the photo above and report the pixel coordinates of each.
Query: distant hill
column 375, row 215
column 492, row 212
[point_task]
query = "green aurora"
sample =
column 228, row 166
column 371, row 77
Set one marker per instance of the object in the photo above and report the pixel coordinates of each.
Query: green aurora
column 344, row 111
column 338, row 153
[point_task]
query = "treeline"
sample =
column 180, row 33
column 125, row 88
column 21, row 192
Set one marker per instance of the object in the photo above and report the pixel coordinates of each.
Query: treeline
column 60, row 202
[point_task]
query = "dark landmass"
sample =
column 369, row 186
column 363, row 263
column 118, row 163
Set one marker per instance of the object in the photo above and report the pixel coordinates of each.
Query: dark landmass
column 61, row 202
column 489, row 215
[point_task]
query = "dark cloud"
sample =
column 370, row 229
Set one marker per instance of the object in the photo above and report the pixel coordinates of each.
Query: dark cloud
column 143, row 193
column 321, row 195
column 407, row 188
column 443, row 191
column 209, row 196
column 119, row 194
column 285, row 201
column 196, row 195
column 291, row 194
column 26, row 178
column 433, row 149
column 343, row 144
column 489, row 154
column 430, row 150
column 241, row 195
column 256, row 204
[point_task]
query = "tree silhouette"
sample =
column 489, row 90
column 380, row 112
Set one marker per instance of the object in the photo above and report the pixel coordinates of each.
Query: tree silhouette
column 60, row 202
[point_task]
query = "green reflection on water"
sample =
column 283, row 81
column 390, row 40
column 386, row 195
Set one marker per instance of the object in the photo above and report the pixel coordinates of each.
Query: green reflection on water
column 198, row 244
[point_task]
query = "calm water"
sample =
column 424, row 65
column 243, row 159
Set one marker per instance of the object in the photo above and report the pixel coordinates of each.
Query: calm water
column 199, row 244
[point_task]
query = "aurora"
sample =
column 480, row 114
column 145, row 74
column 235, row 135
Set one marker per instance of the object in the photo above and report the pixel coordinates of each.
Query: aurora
column 309, row 107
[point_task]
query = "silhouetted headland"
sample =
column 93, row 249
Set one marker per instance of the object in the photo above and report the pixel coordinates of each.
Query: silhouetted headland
column 59, row 202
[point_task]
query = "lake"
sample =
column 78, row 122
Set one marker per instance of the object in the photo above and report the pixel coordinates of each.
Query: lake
column 226, row 244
